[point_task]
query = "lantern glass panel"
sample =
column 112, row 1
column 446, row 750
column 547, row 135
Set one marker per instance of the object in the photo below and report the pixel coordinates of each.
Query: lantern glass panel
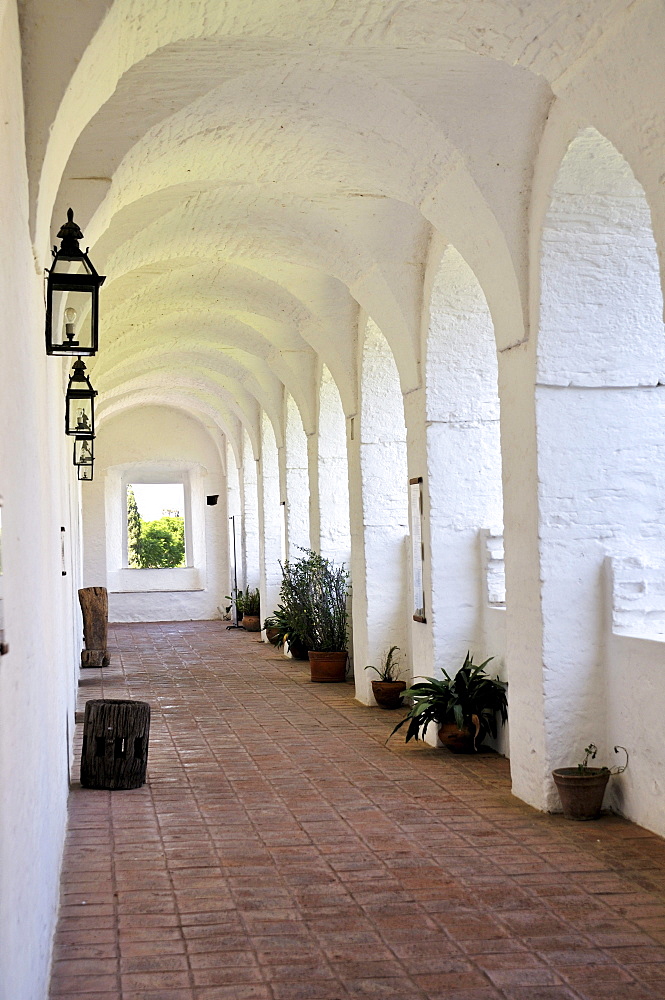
column 80, row 417
column 73, row 315
column 85, row 472
column 72, row 306
column 83, row 451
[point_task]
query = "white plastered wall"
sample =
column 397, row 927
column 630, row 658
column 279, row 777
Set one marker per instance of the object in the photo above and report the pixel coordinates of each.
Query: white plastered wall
column 41, row 618
column 156, row 444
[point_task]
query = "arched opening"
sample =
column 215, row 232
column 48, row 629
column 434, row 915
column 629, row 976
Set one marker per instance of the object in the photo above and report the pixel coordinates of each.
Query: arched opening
column 601, row 434
column 380, row 523
column 250, row 518
column 297, row 482
column 270, row 519
column 335, row 534
column 157, row 449
column 462, row 488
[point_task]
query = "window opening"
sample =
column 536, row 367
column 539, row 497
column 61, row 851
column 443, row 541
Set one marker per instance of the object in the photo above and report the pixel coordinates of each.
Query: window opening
column 155, row 525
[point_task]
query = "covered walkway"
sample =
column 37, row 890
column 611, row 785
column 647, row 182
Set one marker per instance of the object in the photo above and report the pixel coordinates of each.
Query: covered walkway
column 280, row 851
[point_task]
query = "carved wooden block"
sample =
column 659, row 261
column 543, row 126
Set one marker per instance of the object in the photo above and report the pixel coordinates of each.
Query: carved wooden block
column 115, row 743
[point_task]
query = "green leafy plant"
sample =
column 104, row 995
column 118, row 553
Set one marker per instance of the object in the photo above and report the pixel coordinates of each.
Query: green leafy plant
column 470, row 699
column 252, row 603
column 238, row 598
column 390, row 666
column 312, row 609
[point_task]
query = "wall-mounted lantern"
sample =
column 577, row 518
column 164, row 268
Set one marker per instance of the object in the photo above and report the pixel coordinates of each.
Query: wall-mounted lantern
column 72, row 297
column 85, row 473
column 83, row 451
column 79, row 404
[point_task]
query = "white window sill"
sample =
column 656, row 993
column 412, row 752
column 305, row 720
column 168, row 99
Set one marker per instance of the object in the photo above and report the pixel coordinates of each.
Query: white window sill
column 151, row 581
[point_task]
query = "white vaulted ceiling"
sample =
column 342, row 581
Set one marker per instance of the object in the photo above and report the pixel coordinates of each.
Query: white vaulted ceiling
column 251, row 175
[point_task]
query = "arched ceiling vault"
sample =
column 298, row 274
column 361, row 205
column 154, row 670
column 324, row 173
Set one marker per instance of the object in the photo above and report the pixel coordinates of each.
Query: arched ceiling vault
column 210, row 418
column 249, row 176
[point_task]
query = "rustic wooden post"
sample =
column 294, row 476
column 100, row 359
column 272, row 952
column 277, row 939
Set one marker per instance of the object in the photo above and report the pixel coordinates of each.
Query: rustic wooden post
column 95, row 608
column 115, row 743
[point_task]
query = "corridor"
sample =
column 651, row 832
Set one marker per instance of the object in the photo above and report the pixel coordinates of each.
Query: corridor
column 280, row 851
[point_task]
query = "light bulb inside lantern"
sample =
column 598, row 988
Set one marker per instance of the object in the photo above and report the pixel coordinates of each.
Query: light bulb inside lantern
column 70, row 320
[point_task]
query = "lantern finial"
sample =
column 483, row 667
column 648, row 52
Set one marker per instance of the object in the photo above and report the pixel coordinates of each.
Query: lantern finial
column 70, row 234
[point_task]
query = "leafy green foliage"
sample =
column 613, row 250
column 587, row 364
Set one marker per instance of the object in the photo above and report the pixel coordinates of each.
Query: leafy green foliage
column 313, row 603
column 162, row 543
column 158, row 544
column 133, row 531
column 252, row 603
column 470, row 697
column 390, row 667
column 238, row 597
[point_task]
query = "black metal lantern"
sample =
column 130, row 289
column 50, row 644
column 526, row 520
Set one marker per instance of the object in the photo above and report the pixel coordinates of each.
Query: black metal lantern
column 72, row 297
column 79, row 404
column 85, row 473
column 83, row 451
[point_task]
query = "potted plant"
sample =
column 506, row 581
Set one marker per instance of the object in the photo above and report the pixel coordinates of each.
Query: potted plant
column 465, row 707
column 275, row 632
column 293, row 614
column 236, row 597
column 251, row 617
column 325, row 617
column 582, row 788
column 387, row 690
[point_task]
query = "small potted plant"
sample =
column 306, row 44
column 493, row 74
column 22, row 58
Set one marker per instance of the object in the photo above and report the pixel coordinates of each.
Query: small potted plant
column 465, row 707
column 236, row 597
column 582, row 788
column 388, row 688
column 251, row 616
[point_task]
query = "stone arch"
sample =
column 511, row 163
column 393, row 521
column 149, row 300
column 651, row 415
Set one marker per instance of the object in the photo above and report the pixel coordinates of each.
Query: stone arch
column 297, row 481
column 380, row 514
column 251, row 574
column 333, row 473
column 462, row 488
column 600, row 423
column 270, row 519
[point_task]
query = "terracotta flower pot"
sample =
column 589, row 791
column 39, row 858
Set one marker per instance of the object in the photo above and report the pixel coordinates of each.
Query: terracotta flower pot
column 272, row 635
column 252, row 623
column 328, row 667
column 297, row 649
column 388, row 694
column 457, row 740
column 581, row 794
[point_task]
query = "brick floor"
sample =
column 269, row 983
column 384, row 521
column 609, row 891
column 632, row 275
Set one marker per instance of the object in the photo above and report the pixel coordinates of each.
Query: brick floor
column 280, row 851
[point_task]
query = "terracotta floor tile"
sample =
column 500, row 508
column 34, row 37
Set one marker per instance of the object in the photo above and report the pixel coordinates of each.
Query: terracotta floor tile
column 281, row 851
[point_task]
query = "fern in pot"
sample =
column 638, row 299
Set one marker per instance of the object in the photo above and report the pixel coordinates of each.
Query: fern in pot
column 251, row 618
column 465, row 706
column 388, row 687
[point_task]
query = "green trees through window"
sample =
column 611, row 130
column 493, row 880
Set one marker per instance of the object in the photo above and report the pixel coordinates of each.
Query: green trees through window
column 158, row 543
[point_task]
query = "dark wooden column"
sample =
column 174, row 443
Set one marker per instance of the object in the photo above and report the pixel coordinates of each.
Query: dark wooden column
column 95, row 608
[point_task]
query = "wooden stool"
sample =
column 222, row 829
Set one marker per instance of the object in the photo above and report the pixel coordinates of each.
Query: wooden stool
column 115, row 743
